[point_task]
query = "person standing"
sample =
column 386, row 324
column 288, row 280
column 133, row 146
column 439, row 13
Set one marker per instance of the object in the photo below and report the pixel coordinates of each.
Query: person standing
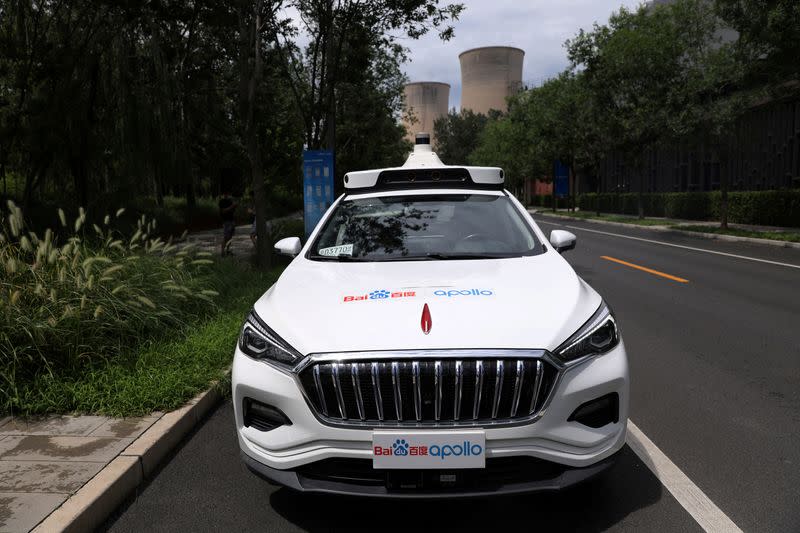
column 227, row 209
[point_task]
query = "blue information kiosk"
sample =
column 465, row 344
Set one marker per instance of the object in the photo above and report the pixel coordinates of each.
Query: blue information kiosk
column 317, row 186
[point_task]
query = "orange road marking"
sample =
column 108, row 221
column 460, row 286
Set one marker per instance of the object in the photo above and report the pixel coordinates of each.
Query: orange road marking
column 645, row 269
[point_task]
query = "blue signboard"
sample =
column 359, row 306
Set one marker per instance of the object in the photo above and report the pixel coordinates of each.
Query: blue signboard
column 317, row 186
column 561, row 180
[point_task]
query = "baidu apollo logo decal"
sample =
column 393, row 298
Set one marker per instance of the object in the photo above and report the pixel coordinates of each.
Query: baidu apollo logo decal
column 379, row 294
column 402, row 448
column 450, row 293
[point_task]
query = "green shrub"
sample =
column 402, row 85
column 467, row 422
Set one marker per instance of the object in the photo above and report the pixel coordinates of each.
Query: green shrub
column 768, row 208
column 688, row 205
column 76, row 294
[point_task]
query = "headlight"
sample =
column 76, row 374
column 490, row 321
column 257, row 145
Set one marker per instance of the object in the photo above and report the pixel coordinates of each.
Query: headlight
column 598, row 335
column 258, row 341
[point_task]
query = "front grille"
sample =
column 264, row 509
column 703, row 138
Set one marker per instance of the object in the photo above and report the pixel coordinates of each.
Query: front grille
column 429, row 391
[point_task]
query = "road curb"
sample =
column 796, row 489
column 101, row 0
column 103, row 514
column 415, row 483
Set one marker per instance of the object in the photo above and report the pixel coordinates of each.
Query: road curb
column 666, row 229
column 93, row 503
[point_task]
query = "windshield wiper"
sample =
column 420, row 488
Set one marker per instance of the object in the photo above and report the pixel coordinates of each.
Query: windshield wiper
column 342, row 258
column 444, row 256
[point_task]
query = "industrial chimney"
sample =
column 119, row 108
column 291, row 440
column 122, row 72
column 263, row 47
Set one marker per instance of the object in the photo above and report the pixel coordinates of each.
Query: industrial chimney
column 488, row 76
column 426, row 101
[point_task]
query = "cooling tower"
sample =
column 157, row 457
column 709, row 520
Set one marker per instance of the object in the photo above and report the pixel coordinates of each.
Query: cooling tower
column 488, row 76
column 426, row 101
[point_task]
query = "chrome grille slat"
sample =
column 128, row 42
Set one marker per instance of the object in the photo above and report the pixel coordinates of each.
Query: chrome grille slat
column 417, row 390
column 398, row 396
column 476, row 402
column 337, row 386
column 320, row 391
column 498, row 388
column 537, row 385
column 459, row 390
column 449, row 391
column 517, row 387
column 437, row 385
column 376, row 389
column 357, row 390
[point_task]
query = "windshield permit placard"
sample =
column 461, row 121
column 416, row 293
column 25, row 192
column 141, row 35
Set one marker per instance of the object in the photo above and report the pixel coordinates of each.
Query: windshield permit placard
column 334, row 251
column 428, row 449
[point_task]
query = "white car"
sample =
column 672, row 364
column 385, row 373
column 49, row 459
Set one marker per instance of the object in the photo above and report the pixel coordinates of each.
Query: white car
column 429, row 340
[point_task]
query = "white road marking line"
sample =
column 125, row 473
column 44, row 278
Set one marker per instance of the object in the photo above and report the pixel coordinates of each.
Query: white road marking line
column 778, row 263
column 703, row 510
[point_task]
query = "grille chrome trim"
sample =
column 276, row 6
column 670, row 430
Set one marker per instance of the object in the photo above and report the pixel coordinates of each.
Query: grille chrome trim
column 376, row 389
column 357, row 390
column 518, row 387
column 398, row 396
column 320, row 394
column 536, row 386
column 437, row 380
column 415, row 377
column 498, row 388
column 459, row 390
column 337, row 387
column 476, row 405
column 427, row 381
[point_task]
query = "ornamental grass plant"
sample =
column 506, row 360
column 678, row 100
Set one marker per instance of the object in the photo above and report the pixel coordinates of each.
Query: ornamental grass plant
column 80, row 294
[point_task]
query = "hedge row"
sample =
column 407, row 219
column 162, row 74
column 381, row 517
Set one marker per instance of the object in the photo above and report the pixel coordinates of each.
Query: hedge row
column 546, row 200
column 768, row 208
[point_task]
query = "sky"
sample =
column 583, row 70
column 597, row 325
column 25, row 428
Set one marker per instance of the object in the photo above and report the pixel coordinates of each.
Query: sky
column 539, row 27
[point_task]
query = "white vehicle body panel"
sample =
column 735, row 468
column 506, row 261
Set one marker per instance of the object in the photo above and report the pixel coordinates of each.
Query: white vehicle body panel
column 529, row 302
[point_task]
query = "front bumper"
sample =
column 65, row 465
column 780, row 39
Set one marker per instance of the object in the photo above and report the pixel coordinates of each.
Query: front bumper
column 282, row 454
column 495, row 480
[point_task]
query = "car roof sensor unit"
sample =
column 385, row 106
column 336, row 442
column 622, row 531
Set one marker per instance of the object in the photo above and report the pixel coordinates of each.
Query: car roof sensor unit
column 424, row 170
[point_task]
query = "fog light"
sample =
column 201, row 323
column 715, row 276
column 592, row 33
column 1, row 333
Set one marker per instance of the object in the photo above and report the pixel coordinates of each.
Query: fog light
column 598, row 412
column 263, row 417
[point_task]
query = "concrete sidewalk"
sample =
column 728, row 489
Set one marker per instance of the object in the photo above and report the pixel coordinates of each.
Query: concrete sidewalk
column 43, row 462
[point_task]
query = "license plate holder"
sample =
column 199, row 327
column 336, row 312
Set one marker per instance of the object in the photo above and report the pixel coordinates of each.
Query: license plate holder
column 424, row 450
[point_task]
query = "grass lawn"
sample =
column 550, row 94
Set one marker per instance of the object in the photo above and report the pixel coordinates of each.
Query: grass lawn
column 773, row 235
column 584, row 215
column 160, row 374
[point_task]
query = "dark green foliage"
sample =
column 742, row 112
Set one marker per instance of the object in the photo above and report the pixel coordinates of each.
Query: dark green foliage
column 161, row 372
column 768, row 208
column 456, row 135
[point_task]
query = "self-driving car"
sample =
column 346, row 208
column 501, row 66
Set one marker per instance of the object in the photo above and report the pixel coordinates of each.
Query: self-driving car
column 429, row 340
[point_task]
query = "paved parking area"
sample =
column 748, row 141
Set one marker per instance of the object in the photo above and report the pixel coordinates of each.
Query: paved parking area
column 205, row 487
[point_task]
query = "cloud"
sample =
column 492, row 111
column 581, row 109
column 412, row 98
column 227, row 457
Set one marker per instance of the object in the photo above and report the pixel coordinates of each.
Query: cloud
column 540, row 27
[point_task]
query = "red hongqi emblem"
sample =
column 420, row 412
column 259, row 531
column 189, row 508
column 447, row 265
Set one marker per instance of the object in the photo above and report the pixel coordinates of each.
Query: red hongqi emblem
column 426, row 323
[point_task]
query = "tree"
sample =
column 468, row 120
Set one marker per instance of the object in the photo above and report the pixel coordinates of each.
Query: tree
column 769, row 37
column 456, row 135
column 499, row 144
column 333, row 27
column 644, row 70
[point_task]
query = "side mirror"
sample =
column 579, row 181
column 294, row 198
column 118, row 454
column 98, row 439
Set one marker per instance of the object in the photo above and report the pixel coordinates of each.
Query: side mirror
column 562, row 240
column 290, row 246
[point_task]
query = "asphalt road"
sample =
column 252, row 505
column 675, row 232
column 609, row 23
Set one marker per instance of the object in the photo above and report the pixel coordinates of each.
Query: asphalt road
column 715, row 365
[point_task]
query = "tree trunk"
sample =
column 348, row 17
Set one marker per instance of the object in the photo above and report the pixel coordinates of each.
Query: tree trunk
column 640, row 195
column 263, row 255
column 330, row 108
column 724, row 185
column 191, row 199
column 597, row 198
column 572, row 187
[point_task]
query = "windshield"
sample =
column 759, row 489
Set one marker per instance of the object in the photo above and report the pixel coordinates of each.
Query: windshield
column 425, row 227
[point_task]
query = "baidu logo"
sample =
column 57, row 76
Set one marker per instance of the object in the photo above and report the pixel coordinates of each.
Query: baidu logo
column 400, row 447
column 378, row 295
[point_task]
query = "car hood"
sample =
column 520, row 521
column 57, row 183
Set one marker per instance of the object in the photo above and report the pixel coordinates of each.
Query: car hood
column 526, row 302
